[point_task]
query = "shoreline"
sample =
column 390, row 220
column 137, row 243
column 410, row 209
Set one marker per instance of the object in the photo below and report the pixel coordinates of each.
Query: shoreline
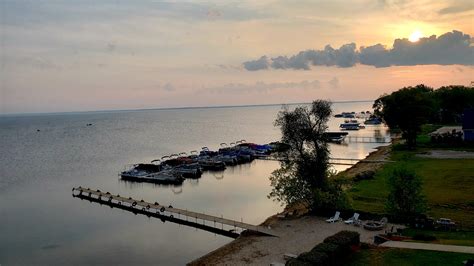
column 228, row 254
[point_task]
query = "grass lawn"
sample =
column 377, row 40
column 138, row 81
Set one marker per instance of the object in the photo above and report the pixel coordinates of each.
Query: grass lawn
column 393, row 256
column 448, row 186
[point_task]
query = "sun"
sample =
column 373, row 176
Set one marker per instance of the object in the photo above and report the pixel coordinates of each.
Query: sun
column 415, row 36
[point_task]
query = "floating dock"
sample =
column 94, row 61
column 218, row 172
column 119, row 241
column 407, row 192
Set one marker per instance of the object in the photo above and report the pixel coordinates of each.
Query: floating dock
column 358, row 139
column 334, row 161
column 170, row 213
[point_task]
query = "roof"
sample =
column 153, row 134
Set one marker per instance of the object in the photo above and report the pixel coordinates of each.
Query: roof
column 443, row 130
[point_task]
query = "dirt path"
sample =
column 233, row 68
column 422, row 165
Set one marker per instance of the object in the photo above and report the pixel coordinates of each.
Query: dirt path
column 428, row 246
column 447, row 154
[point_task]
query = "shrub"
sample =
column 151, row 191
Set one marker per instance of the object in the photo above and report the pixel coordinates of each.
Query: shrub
column 314, row 257
column 297, row 262
column 344, row 238
column 333, row 251
column 406, row 199
column 366, row 175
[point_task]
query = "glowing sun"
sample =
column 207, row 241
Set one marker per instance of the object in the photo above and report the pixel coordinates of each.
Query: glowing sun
column 415, row 36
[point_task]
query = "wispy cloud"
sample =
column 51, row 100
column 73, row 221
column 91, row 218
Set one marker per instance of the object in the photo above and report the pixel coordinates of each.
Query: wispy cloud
column 457, row 7
column 261, row 87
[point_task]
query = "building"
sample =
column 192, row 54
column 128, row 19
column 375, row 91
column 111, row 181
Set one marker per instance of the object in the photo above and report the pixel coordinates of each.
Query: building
column 468, row 124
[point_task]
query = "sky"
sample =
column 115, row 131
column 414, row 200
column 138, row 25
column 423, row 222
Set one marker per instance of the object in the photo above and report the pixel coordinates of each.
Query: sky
column 86, row 55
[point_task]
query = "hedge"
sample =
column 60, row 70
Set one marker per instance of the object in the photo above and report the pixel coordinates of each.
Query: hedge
column 345, row 238
column 333, row 251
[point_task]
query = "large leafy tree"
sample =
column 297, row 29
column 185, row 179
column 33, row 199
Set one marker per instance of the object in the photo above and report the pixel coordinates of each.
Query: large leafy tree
column 304, row 175
column 452, row 101
column 407, row 109
column 405, row 199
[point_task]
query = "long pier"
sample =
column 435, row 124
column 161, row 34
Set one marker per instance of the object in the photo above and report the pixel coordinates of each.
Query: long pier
column 358, row 139
column 169, row 213
column 334, row 161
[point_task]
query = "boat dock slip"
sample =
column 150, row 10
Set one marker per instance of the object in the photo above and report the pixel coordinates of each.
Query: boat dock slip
column 169, row 213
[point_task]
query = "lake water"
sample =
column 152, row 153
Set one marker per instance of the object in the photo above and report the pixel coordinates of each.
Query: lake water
column 41, row 223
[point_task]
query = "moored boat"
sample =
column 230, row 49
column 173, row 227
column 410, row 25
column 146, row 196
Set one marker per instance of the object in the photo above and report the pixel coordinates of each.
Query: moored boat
column 373, row 121
column 350, row 126
column 335, row 137
column 151, row 173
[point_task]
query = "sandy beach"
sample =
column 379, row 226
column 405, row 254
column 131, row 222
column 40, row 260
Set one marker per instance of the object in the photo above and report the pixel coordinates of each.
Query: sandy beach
column 297, row 234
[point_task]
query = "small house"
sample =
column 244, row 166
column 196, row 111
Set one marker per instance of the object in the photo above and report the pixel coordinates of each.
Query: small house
column 468, row 124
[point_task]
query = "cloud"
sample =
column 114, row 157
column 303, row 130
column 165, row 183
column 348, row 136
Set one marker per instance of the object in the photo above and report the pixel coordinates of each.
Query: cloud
column 111, row 47
column 262, row 87
column 258, row 64
column 458, row 7
column 450, row 48
column 36, row 62
column 334, row 83
column 53, row 12
column 168, row 87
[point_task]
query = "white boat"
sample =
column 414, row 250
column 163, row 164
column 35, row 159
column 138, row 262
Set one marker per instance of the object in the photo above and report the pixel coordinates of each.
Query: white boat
column 373, row 121
column 151, row 173
column 336, row 137
column 350, row 126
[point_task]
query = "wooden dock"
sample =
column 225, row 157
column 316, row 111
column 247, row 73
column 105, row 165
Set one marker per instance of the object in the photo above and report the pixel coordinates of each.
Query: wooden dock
column 358, row 139
column 334, row 161
column 154, row 209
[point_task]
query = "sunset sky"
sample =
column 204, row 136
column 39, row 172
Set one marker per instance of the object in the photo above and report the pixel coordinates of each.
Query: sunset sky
column 104, row 55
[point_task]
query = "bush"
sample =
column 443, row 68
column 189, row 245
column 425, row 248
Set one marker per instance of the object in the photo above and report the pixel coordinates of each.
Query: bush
column 314, row 257
column 366, row 175
column 344, row 238
column 297, row 262
column 333, row 251
column 405, row 199
column 328, row 248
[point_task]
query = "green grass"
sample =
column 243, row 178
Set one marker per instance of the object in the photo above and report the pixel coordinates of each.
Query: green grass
column 392, row 256
column 447, row 183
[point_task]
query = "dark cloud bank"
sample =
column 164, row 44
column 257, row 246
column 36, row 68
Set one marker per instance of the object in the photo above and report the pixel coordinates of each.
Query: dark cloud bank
column 450, row 48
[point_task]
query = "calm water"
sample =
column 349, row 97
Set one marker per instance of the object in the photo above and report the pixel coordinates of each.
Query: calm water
column 41, row 223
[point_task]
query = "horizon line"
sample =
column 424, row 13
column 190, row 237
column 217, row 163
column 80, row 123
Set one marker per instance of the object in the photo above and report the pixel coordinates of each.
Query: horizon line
column 170, row 108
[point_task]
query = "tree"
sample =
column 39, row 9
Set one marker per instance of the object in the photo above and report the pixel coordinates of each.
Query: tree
column 406, row 109
column 304, row 175
column 452, row 101
column 405, row 199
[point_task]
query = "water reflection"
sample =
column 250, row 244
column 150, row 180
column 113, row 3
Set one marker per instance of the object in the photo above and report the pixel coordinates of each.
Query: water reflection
column 218, row 176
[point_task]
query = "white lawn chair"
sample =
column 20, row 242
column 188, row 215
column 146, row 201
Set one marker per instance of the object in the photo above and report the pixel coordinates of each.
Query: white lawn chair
column 353, row 219
column 334, row 219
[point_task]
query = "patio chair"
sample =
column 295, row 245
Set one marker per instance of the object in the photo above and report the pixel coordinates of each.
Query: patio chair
column 334, row 219
column 353, row 219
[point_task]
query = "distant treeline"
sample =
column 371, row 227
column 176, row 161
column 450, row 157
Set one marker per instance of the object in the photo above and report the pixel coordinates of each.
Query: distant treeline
column 410, row 107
